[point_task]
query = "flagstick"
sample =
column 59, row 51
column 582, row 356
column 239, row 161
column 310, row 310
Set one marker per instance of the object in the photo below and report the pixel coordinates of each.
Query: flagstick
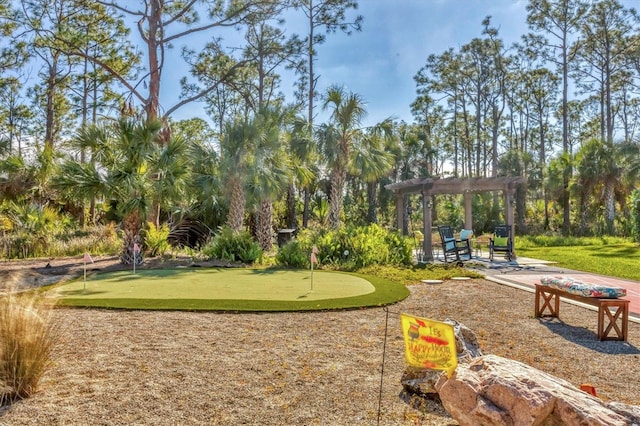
column 311, row 272
column 85, row 275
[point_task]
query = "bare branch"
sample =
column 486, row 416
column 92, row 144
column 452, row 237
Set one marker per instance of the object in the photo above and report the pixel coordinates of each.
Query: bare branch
column 120, row 8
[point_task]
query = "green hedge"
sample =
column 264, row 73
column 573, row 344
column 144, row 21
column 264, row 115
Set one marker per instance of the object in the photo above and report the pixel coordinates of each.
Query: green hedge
column 347, row 248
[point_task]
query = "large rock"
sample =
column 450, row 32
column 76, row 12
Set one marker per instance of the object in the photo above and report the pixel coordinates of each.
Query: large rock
column 631, row 412
column 496, row 391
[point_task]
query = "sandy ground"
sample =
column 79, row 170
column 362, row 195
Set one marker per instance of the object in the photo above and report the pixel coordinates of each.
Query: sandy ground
column 322, row 368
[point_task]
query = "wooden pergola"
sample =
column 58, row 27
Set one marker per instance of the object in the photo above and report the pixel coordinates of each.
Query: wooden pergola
column 465, row 186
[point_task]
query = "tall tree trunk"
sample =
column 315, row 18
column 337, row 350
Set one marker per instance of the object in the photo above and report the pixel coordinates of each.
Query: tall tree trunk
column 584, row 210
column 50, row 108
column 566, row 201
column 292, row 221
column 305, row 211
column 610, row 205
column 132, row 225
column 338, row 178
column 372, row 216
column 264, row 229
column 311, row 93
column 155, row 214
column 235, row 218
column 155, row 27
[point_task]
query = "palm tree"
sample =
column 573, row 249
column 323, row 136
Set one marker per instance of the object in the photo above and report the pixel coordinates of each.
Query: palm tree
column 171, row 165
column 237, row 149
column 336, row 141
column 372, row 162
column 303, row 158
column 269, row 170
column 610, row 168
column 122, row 173
column 204, row 208
column 559, row 171
column 589, row 168
column 17, row 177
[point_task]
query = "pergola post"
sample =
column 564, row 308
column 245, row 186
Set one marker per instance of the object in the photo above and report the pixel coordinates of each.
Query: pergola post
column 400, row 211
column 468, row 210
column 509, row 202
column 427, row 244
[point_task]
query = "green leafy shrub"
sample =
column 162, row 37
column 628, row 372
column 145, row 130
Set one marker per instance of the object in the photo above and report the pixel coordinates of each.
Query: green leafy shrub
column 233, row 247
column 292, row 255
column 28, row 230
column 353, row 247
column 27, row 337
column 33, row 228
column 156, row 239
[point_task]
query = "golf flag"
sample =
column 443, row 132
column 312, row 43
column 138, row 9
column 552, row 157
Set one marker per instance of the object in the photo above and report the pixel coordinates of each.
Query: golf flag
column 136, row 248
column 429, row 344
column 314, row 259
column 87, row 258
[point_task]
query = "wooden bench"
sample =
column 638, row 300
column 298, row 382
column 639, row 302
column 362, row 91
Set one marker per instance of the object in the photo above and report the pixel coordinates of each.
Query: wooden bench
column 613, row 314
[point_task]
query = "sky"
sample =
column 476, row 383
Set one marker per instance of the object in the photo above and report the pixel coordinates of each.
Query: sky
column 379, row 62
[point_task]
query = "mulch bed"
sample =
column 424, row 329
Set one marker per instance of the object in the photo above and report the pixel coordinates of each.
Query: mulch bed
column 319, row 368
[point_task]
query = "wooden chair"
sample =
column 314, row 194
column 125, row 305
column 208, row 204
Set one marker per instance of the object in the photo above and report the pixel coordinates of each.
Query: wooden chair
column 452, row 247
column 501, row 242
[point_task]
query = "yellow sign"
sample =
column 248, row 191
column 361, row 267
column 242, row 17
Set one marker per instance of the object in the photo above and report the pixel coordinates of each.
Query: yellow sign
column 429, row 344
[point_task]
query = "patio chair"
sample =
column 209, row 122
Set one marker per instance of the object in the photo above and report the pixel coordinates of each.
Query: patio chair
column 501, row 242
column 454, row 248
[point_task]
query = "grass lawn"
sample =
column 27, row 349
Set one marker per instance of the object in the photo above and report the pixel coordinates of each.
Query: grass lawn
column 229, row 289
column 617, row 260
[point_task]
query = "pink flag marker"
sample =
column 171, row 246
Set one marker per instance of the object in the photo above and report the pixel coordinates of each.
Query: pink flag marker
column 87, row 258
column 136, row 248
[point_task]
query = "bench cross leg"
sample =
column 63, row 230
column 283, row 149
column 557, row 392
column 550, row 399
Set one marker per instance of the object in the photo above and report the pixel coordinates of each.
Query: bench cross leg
column 547, row 298
column 604, row 313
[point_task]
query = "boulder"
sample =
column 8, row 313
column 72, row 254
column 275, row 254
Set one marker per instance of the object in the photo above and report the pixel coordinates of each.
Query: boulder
column 631, row 412
column 492, row 390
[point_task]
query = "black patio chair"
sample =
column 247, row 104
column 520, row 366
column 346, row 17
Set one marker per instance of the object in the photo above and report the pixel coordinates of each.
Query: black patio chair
column 501, row 242
column 452, row 247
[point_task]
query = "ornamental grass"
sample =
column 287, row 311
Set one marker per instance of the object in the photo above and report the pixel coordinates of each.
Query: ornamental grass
column 28, row 335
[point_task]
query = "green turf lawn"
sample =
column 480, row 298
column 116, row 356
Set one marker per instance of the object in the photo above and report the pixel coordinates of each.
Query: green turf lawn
column 229, row 289
column 616, row 260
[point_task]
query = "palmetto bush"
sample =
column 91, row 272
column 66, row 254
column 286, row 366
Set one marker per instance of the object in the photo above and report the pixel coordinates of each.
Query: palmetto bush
column 156, row 239
column 30, row 227
column 233, row 246
column 293, row 255
column 28, row 335
column 101, row 239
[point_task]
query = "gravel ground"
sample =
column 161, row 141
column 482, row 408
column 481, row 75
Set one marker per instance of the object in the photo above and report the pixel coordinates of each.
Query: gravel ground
column 322, row 368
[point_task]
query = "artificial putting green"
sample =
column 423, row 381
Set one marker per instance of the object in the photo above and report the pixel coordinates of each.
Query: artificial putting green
column 228, row 289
